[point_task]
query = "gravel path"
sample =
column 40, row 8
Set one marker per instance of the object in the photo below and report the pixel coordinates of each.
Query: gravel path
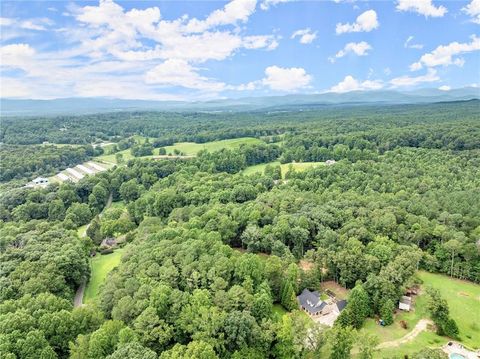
column 420, row 327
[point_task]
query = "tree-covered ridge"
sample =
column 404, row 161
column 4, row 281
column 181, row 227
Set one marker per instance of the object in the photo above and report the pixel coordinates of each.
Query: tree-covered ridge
column 170, row 127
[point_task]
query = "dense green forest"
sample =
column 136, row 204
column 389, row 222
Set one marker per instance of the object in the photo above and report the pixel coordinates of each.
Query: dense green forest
column 211, row 254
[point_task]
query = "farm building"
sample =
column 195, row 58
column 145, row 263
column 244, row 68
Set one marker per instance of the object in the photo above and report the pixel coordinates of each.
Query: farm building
column 38, row 182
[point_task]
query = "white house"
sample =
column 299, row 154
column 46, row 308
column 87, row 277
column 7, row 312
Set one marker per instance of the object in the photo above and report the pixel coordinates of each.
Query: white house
column 405, row 303
column 330, row 162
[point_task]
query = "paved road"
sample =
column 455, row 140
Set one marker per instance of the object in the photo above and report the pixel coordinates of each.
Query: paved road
column 78, row 300
column 420, row 327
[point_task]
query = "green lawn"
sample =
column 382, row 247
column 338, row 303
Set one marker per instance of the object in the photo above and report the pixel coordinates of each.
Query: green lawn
column 279, row 311
column 299, row 166
column 191, row 148
column 100, row 267
column 464, row 302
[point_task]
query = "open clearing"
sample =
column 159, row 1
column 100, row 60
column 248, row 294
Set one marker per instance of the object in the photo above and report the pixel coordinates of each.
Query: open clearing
column 191, row 148
column 298, row 166
column 186, row 148
column 101, row 265
column 464, row 303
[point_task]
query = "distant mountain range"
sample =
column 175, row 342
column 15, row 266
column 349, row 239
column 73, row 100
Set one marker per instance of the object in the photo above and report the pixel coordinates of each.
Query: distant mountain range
column 14, row 107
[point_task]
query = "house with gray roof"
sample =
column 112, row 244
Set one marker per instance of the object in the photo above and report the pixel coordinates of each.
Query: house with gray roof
column 311, row 302
column 323, row 311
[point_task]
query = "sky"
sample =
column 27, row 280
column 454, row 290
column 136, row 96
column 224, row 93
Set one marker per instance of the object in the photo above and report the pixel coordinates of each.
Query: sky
column 200, row 50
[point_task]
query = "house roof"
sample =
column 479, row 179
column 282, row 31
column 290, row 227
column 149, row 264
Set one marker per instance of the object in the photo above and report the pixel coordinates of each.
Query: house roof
column 311, row 301
column 341, row 304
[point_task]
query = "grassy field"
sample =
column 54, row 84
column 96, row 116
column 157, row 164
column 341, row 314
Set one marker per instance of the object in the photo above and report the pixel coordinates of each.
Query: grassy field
column 187, row 148
column 300, row 166
column 100, row 267
column 464, row 302
column 191, row 148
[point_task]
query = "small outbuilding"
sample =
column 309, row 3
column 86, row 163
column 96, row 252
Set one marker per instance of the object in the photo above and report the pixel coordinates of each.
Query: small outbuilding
column 405, row 303
column 330, row 162
column 109, row 242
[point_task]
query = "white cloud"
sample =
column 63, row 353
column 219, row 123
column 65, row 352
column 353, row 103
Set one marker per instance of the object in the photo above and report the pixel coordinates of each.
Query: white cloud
column 422, row 7
column 286, row 79
column 408, row 45
column 266, row 4
column 35, row 24
column 445, row 88
column 175, row 72
column 405, row 81
column 5, row 21
column 473, row 9
column 349, row 83
column 357, row 48
column 306, row 35
column 365, row 22
column 133, row 53
column 16, row 55
column 268, row 42
column 234, row 11
column 444, row 55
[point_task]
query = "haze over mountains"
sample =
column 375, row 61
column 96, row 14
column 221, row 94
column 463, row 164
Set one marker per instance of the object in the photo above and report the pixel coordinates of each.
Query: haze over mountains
column 27, row 107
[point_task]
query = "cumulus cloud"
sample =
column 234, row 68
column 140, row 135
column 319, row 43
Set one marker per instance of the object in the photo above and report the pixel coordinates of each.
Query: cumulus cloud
column 445, row 55
column 357, row 48
column 473, row 9
column 109, row 44
column 365, row 22
column 266, row 4
column 176, row 72
column 407, row 44
column 306, row 35
column 349, row 83
column 286, row 78
column 445, row 88
column 16, row 55
column 422, row 7
column 233, row 12
column 408, row 81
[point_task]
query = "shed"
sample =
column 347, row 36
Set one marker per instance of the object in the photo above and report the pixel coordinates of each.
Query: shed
column 405, row 303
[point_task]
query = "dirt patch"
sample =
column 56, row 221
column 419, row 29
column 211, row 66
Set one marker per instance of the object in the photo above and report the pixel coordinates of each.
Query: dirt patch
column 463, row 294
column 340, row 292
column 305, row 265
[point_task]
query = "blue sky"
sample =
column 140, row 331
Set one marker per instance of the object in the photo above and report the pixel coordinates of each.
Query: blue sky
column 196, row 50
